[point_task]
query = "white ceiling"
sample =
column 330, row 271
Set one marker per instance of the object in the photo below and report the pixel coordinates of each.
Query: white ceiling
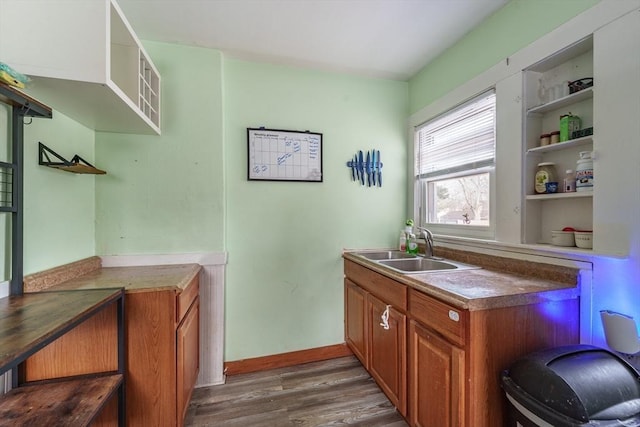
column 377, row 38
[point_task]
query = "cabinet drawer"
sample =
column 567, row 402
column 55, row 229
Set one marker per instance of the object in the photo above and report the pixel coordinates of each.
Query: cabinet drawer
column 388, row 290
column 186, row 297
column 449, row 321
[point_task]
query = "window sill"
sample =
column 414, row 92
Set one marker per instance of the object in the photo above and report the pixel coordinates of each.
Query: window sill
column 547, row 251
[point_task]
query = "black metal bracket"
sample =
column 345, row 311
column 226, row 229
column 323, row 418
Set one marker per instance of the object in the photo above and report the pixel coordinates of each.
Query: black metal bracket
column 76, row 165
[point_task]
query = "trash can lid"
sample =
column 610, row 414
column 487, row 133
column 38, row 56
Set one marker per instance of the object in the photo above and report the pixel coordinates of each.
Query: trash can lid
column 582, row 382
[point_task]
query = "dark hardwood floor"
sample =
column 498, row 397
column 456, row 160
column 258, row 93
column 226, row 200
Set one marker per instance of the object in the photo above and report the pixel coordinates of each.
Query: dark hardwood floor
column 335, row 392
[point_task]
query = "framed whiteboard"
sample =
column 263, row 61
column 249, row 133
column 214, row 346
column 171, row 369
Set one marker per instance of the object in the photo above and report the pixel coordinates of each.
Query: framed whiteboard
column 284, row 155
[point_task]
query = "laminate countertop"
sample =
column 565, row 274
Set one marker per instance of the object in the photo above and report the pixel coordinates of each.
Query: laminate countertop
column 132, row 279
column 487, row 288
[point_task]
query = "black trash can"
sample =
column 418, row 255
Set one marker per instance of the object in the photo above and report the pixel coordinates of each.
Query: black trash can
column 571, row 386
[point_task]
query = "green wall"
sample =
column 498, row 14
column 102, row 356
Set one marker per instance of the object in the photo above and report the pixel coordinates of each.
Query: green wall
column 185, row 190
column 284, row 277
column 511, row 28
column 59, row 207
column 165, row 194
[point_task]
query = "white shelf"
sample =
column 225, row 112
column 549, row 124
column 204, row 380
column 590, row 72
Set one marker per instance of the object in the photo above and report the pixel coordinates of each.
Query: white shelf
column 563, row 102
column 577, row 142
column 560, row 196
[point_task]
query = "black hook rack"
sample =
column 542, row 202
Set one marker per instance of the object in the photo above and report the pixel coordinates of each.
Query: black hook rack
column 76, row 165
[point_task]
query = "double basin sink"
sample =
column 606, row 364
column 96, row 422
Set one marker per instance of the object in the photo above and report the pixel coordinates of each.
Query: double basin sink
column 405, row 263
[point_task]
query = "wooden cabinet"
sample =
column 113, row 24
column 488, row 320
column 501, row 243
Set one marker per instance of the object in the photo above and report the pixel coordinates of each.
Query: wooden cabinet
column 387, row 350
column 375, row 329
column 75, row 342
column 355, row 325
column 86, row 60
column 440, row 364
column 456, row 356
column 436, row 370
column 163, row 349
column 437, row 337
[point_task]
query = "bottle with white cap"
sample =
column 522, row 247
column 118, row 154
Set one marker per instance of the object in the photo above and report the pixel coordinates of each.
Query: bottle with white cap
column 584, row 172
column 569, row 184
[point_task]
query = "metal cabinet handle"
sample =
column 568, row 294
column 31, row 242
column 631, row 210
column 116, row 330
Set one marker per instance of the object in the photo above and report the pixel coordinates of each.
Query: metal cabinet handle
column 385, row 318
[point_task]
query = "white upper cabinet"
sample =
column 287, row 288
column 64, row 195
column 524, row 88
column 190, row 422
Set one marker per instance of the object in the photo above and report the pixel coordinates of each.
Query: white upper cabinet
column 616, row 210
column 85, row 61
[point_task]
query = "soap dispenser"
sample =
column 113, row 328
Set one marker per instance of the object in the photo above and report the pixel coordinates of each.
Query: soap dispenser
column 412, row 244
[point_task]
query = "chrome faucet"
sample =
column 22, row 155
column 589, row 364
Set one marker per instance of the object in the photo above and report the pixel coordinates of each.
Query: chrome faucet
column 428, row 238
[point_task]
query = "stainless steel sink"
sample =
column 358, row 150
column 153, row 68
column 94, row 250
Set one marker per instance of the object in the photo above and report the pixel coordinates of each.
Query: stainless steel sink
column 422, row 265
column 384, row 255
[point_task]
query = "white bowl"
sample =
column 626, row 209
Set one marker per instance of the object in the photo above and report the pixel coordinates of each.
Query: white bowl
column 562, row 238
column 584, row 239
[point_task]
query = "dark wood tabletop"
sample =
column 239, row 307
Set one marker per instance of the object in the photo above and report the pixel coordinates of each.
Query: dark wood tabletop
column 31, row 321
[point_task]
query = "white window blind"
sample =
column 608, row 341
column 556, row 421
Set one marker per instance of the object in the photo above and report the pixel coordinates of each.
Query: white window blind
column 461, row 139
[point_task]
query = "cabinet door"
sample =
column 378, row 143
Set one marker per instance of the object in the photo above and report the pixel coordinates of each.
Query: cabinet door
column 387, row 350
column 355, row 320
column 436, row 380
column 187, row 336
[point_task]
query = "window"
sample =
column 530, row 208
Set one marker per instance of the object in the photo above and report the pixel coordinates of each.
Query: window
column 454, row 165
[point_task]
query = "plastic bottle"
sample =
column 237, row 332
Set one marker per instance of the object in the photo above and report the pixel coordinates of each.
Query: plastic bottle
column 402, row 245
column 569, row 183
column 412, row 244
column 584, row 172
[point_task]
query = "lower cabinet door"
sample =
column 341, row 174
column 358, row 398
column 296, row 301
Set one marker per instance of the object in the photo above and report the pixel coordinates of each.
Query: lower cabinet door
column 387, row 350
column 355, row 332
column 436, row 380
column 188, row 346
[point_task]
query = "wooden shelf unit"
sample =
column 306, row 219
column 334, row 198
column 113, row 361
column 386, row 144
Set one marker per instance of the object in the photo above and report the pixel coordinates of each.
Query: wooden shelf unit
column 33, row 321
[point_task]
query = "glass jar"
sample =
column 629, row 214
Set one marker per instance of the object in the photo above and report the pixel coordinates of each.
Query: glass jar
column 554, row 137
column 544, row 139
column 545, row 174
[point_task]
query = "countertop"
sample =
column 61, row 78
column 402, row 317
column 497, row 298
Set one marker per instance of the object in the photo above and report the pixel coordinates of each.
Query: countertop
column 132, row 279
column 483, row 289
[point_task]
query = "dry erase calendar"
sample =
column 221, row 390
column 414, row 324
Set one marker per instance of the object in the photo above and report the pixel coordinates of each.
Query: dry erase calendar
column 284, row 155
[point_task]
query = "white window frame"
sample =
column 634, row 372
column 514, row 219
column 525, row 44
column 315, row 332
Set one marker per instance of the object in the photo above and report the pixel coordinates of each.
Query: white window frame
column 421, row 193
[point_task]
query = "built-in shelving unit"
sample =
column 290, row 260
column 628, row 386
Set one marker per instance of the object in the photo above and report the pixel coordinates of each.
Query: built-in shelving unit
column 85, row 59
column 542, row 110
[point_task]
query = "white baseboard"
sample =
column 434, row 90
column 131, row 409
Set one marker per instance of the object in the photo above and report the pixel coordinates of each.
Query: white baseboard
column 4, row 289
